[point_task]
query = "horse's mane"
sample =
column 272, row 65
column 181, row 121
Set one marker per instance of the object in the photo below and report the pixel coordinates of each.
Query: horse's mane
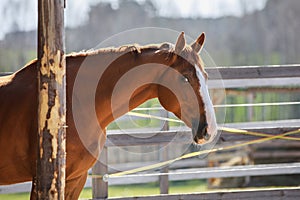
column 135, row 49
column 130, row 48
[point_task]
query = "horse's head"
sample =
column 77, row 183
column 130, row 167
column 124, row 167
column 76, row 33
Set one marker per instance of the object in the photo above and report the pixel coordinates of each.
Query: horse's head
column 187, row 97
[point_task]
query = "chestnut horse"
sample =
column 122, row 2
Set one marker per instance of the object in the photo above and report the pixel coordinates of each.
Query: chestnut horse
column 175, row 75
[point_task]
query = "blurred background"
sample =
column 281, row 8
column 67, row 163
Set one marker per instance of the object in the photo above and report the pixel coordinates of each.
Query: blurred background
column 239, row 32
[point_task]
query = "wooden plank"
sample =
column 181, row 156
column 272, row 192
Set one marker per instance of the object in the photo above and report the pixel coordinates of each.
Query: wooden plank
column 247, row 72
column 243, row 83
column 118, row 181
column 51, row 160
column 279, row 144
column 185, row 137
column 235, row 137
column 272, row 154
column 254, row 72
column 268, row 127
column 254, row 83
column 191, row 163
column 250, row 194
column 221, row 172
column 153, row 138
column 237, row 171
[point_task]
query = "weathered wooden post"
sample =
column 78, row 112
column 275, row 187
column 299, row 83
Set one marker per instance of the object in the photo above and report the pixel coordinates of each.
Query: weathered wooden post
column 163, row 156
column 51, row 161
column 100, row 187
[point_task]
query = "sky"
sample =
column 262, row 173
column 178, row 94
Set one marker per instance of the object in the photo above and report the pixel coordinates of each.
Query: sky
column 22, row 14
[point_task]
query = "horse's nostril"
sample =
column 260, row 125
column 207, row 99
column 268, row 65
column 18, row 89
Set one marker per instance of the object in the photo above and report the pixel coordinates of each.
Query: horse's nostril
column 205, row 134
column 200, row 132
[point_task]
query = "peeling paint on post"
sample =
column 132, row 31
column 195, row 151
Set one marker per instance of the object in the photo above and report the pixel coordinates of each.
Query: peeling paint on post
column 51, row 160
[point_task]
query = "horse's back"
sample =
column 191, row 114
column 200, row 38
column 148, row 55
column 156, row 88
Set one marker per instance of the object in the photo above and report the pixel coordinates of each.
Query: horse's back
column 17, row 124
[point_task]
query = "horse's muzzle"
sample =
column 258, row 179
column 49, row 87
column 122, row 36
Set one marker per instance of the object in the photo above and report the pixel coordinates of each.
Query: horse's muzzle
column 200, row 133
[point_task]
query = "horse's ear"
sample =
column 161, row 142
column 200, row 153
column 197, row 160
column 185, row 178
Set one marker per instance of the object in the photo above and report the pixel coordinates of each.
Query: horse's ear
column 180, row 43
column 198, row 44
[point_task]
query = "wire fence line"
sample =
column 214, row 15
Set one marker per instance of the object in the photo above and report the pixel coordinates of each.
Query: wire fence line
column 231, row 105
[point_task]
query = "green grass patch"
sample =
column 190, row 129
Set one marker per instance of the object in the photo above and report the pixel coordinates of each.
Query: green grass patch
column 176, row 187
column 16, row 196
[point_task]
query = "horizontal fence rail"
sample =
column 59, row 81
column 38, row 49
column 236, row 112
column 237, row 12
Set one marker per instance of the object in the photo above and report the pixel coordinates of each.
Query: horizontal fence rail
column 247, row 76
column 254, row 72
column 115, row 138
column 245, row 72
column 264, row 194
column 217, row 172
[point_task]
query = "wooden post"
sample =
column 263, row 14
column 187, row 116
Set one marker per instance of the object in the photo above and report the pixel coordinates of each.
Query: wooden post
column 51, row 161
column 163, row 156
column 100, row 188
column 250, row 99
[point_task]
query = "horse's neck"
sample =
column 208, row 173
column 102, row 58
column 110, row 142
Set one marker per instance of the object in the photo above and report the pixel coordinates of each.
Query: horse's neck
column 126, row 83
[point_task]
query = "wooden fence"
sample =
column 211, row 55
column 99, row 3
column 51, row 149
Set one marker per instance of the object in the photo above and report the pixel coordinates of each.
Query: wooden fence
column 262, row 77
column 267, row 77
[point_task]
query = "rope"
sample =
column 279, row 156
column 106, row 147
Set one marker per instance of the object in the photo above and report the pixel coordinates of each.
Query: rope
column 154, row 117
column 267, row 137
column 193, row 154
column 234, row 105
column 239, row 131
column 230, row 130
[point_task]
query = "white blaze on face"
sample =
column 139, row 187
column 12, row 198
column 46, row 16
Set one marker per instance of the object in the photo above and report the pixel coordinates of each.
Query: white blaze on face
column 212, row 128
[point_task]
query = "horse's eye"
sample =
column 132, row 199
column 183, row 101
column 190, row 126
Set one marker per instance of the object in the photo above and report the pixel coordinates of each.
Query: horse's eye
column 185, row 79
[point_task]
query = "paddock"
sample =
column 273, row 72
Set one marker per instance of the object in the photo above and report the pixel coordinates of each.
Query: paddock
column 282, row 79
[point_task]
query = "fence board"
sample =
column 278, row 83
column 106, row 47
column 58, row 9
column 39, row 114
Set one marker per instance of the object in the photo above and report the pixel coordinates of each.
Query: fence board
column 214, row 172
column 217, row 172
column 254, row 72
column 262, row 194
column 246, row 72
column 185, row 136
column 255, row 83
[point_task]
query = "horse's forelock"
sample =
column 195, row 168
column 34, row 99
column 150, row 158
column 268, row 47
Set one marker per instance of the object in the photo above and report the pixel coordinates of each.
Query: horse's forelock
column 193, row 58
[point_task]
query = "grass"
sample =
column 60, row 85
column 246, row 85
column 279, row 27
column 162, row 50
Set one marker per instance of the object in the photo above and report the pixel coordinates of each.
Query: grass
column 16, row 196
column 176, row 187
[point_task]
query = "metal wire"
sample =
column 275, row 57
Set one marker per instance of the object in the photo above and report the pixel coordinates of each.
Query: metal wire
column 233, row 105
